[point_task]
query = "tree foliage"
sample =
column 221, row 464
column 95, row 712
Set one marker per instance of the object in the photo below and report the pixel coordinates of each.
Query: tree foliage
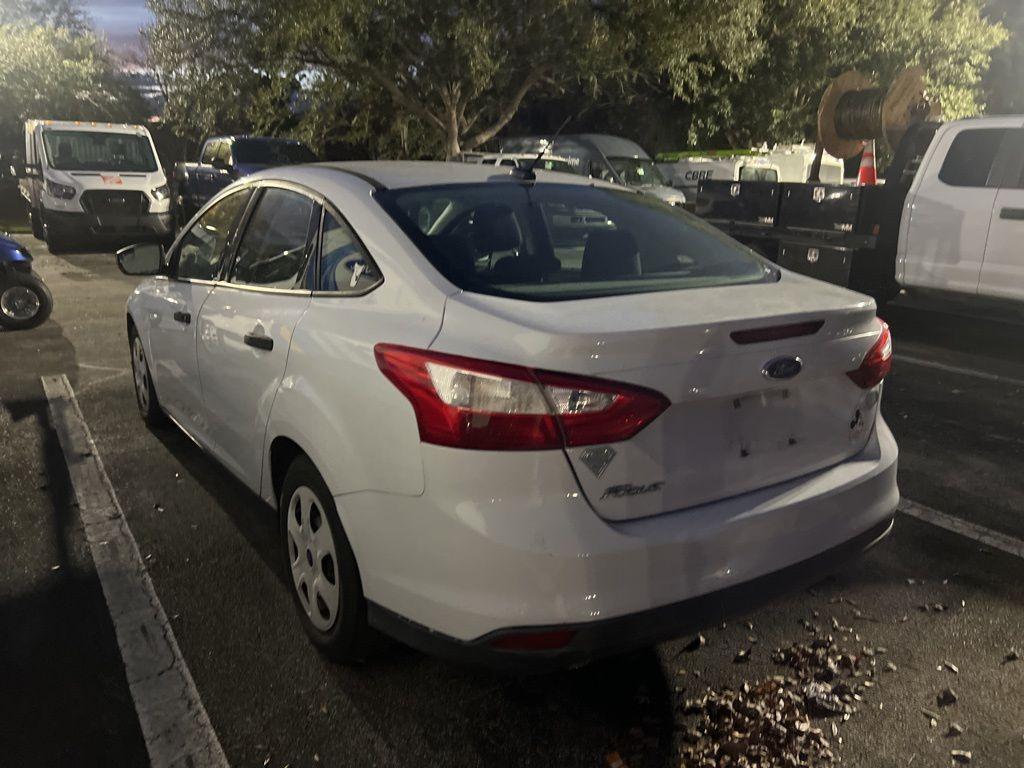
column 808, row 42
column 433, row 77
column 55, row 72
column 429, row 76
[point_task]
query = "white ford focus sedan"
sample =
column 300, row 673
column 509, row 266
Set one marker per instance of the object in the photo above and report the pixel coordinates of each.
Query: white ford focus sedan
column 514, row 420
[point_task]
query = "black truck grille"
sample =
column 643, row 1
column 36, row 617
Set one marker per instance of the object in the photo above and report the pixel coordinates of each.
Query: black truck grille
column 101, row 202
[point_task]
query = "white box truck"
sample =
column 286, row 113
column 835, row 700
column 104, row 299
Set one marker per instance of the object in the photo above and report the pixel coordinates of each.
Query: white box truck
column 90, row 184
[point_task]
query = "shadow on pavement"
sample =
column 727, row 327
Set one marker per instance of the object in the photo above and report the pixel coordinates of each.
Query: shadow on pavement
column 473, row 717
column 65, row 700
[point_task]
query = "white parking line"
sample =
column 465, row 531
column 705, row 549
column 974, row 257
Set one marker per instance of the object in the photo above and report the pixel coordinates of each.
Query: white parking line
column 174, row 723
column 958, row 370
column 979, row 533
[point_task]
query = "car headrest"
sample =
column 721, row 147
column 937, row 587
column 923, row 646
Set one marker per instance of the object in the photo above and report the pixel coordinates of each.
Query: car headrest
column 494, row 229
column 610, row 254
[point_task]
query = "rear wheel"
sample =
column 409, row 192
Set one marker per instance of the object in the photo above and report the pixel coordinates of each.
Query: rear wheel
column 25, row 301
column 145, row 392
column 326, row 587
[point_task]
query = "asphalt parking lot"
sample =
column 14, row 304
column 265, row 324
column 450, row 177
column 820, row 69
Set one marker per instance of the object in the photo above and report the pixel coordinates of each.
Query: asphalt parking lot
column 955, row 401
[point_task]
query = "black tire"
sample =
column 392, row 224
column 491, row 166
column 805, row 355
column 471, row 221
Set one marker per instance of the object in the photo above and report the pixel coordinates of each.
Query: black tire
column 56, row 240
column 36, row 218
column 347, row 638
column 10, row 303
column 142, row 379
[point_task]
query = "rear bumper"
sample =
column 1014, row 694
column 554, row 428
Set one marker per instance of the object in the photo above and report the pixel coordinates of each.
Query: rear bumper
column 595, row 639
column 502, row 542
column 158, row 225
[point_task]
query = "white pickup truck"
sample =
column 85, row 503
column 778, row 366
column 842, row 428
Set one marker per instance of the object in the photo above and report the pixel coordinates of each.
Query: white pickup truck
column 949, row 217
column 88, row 183
column 962, row 227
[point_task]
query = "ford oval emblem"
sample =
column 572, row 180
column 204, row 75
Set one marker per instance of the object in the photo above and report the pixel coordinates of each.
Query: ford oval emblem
column 783, row 367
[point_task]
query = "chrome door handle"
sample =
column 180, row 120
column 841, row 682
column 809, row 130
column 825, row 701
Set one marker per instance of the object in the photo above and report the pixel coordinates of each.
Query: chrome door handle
column 260, row 342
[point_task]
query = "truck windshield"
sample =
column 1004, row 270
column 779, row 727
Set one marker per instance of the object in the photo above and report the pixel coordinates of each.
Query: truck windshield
column 99, row 151
column 637, row 171
column 553, row 242
column 272, row 153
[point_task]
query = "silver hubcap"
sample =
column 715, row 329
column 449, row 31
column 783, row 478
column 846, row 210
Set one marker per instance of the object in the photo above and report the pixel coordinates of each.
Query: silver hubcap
column 141, row 372
column 19, row 303
column 313, row 560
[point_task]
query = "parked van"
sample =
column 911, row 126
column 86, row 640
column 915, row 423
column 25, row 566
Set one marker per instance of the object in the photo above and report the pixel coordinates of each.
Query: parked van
column 87, row 184
column 609, row 158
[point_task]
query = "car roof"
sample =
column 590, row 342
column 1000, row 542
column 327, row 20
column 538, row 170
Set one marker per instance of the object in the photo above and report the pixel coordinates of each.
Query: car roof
column 402, row 174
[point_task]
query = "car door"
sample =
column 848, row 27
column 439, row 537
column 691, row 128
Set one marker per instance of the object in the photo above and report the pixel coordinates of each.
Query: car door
column 246, row 324
column 195, row 264
column 1002, row 273
column 951, row 211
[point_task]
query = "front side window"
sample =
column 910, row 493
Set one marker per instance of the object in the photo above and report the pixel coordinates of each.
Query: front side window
column 202, row 248
column 345, row 267
column 209, row 152
column 637, row 171
column 970, row 157
column 547, row 242
column 99, row 151
column 272, row 252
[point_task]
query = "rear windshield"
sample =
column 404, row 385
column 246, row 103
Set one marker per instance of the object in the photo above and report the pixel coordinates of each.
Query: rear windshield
column 550, row 242
column 99, row 151
column 272, row 153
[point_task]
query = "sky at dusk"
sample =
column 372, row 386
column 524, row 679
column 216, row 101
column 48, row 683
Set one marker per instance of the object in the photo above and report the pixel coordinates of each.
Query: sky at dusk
column 119, row 20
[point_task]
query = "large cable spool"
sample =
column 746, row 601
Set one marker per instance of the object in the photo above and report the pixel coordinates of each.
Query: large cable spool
column 854, row 110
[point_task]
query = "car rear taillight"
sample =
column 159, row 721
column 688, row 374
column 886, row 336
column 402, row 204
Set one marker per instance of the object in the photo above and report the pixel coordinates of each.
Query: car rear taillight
column 877, row 362
column 466, row 403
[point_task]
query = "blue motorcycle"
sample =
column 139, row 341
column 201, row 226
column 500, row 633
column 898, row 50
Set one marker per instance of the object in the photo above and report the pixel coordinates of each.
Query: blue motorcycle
column 25, row 301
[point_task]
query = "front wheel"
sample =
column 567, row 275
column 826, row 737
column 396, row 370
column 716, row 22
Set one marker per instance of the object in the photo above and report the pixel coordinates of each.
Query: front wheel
column 145, row 392
column 25, row 301
column 326, row 587
column 36, row 219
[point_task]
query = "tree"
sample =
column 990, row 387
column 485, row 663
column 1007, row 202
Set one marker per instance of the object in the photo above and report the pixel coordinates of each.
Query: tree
column 64, row 14
column 808, row 42
column 431, row 76
column 48, row 71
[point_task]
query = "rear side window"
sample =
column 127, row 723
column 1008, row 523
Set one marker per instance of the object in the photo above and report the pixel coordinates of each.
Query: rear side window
column 345, row 266
column 971, row 155
column 273, row 250
column 202, row 247
column 550, row 242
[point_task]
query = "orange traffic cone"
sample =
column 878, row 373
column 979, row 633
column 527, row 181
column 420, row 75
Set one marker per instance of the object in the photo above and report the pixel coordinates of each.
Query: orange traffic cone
column 867, row 174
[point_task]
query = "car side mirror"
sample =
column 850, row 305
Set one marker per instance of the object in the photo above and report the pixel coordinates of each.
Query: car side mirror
column 141, row 259
column 220, row 165
column 17, row 167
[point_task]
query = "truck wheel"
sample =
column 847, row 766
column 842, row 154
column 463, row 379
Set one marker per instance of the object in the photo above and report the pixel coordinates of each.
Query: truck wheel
column 326, row 587
column 56, row 241
column 36, row 219
column 25, row 301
